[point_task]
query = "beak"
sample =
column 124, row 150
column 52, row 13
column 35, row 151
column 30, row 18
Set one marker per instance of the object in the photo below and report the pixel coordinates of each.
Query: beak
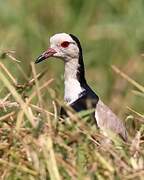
column 49, row 53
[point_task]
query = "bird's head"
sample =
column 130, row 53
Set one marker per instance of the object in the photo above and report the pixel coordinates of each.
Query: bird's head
column 63, row 46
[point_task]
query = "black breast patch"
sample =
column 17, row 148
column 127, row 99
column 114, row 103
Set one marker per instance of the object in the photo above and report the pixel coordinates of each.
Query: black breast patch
column 87, row 100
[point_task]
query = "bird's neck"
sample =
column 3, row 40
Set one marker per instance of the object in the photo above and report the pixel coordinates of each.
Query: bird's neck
column 74, row 79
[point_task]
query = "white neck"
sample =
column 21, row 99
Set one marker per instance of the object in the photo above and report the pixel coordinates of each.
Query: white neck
column 72, row 86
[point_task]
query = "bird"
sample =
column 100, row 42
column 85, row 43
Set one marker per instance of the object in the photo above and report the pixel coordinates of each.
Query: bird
column 77, row 92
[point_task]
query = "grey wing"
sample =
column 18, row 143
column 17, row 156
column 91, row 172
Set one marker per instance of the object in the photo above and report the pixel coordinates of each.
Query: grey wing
column 107, row 120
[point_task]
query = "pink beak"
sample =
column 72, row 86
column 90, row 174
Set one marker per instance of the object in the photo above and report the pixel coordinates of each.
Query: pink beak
column 49, row 53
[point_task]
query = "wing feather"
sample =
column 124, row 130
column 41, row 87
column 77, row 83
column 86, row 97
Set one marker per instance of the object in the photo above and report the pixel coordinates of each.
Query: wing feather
column 107, row 120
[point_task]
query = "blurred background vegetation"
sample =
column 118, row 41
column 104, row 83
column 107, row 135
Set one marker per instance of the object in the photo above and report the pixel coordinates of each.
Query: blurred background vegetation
column 111, row 32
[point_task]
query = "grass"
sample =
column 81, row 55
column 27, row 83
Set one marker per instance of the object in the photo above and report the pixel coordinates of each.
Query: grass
column 34, row 142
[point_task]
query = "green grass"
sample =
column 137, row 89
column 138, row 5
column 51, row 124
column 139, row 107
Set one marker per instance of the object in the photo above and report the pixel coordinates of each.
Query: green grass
column 34, row 143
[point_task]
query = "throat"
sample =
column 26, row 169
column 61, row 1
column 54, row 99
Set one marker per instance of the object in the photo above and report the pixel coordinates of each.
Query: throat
column 74, row 81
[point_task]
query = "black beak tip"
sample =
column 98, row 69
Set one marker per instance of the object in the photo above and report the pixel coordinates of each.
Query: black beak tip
column 36, row 62
column 39, row 59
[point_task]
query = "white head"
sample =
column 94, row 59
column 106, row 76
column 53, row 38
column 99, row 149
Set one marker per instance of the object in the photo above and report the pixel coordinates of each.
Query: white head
column 67, row 47
column 62, row 46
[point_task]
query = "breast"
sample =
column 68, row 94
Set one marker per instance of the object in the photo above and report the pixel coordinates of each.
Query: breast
column 86, row 100
column 72, row 90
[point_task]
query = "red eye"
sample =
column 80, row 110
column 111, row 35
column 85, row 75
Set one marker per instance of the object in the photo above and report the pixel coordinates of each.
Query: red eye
column 65, row 44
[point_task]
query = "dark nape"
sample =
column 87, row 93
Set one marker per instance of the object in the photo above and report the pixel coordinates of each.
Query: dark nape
column 81, row 70
column 78, row 42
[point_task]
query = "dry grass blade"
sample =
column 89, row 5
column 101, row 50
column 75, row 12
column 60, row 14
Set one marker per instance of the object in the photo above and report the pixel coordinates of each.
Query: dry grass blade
column 36, row 83
column 55, row 111
column 104, row 163
column 17, row 97
column 38, row 76
column 8, row 104
column 21, row 113
column 6, row 97
column 40, row 110
column 71, row 170
column 8, row 73
column 140, row 115
column 22, row 71
column 138, row 93
column 120, row 160
column 19, row 167
column 130, row 80
column 9, row 54
column 47, row 83
column 8, row 115
column 135, row 175
column 135, row 145
column 47, row 148
column 132, row 110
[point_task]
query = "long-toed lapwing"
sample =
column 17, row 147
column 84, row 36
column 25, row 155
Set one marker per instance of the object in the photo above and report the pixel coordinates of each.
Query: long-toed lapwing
column 77, row 92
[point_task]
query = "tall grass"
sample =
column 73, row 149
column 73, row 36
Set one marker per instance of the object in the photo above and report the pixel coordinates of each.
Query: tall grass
column 34, row 141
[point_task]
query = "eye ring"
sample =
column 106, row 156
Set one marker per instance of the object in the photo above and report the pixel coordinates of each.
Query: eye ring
column 65, row 44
